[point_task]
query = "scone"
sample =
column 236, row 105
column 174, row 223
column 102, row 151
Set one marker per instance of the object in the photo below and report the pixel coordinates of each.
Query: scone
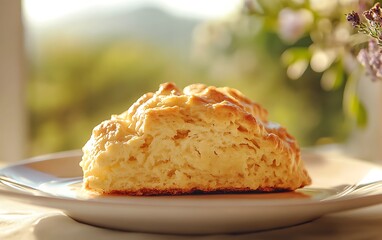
column 201, row 139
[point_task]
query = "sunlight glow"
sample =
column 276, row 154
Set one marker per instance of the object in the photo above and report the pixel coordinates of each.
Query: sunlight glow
column 43, row 11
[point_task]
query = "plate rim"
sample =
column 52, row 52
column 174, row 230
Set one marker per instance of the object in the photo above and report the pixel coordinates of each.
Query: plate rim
column 147, row 200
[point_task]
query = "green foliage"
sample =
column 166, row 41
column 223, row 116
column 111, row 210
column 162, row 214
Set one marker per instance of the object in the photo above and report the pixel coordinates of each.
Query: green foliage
column 357, row 109
column 74, row 87
column 301, row 81
column 301, row 91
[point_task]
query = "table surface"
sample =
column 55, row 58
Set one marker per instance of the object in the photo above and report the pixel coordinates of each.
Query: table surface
column 24, row 221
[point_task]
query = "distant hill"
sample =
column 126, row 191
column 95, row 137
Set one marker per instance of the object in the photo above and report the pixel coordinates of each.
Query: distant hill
column 146, row 24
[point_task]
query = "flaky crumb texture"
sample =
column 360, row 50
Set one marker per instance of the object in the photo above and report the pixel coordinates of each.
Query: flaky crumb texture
column 201, row 139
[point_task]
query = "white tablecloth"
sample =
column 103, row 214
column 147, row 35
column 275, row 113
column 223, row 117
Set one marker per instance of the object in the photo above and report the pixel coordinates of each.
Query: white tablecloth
column 22, row 221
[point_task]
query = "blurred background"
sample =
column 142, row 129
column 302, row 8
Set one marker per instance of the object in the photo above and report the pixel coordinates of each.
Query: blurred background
column 83, row 60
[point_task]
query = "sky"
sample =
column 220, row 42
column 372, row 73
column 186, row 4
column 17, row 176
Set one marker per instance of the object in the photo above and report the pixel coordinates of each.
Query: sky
column 43, row 11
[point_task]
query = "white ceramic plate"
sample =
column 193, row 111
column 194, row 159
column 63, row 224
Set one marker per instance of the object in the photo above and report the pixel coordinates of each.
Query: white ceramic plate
column 57, row 179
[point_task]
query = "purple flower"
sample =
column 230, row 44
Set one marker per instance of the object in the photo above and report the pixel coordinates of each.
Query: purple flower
column 353, row 18
column 371, row 59
column 368, row 15
column 294, row 23
column 374, row 15
column 373, row 25
column 376, row 9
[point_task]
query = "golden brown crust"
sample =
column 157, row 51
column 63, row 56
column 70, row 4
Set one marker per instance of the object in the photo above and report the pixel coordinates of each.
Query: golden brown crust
column 201, row 139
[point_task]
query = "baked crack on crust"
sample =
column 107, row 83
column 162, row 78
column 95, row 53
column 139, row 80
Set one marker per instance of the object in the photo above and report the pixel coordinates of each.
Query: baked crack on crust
column 203, row 139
